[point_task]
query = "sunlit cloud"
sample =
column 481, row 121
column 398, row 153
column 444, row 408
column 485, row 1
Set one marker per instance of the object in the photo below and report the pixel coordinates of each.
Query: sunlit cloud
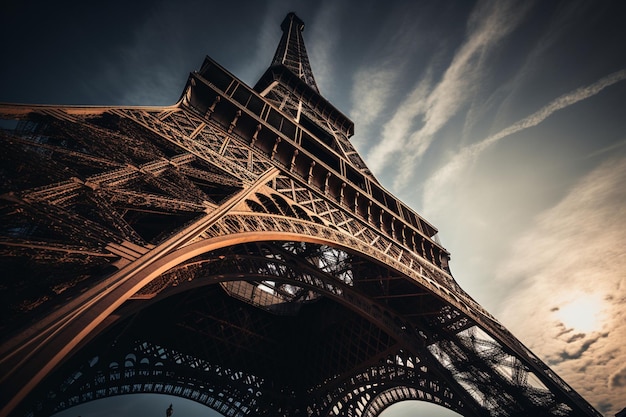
column 460, row 161
column 582, row 313
column 618, row 379
column 568, row 286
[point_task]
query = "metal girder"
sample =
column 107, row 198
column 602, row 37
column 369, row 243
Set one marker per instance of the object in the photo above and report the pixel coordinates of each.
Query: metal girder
column 288, row 207
column 307, row 274
column 30, row 357
column 257, row 195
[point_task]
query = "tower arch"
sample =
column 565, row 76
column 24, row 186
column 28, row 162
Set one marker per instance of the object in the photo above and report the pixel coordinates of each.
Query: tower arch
column 251, row 260
column 313, row 266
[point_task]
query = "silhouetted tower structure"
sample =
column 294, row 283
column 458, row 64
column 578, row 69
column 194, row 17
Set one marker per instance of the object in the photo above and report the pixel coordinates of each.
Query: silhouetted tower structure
column 235, row 250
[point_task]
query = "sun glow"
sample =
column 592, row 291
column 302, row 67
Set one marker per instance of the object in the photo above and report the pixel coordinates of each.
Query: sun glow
column 582, row 313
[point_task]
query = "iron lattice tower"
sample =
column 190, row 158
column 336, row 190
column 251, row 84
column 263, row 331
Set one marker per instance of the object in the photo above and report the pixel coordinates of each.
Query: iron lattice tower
column 235, row 250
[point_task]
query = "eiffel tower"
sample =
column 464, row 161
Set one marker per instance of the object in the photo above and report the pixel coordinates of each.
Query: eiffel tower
column 235, row 250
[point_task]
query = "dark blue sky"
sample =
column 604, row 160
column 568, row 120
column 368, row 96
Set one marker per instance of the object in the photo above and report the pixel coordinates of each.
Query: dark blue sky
column 503, row 122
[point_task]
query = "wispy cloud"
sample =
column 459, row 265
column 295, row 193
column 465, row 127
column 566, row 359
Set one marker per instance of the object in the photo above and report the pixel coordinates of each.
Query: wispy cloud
column 488, row 24
column 467, row 155
column 608, row 149
column 396, row 129
column 376, row 88
column 324, row 36
column 372, row 87
column 140, row 75
column 550, row 39
column 571, row 259
column 266, row 42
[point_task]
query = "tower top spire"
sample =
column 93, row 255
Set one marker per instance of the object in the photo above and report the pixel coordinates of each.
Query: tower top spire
column 291, row 51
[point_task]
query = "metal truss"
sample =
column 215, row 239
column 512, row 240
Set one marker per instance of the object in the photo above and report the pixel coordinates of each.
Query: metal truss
column 294, row 105
column 291, row 51
column 149, row 368
column 359, row 373
column 311, row 266
column 290, row 207
column 235, row 250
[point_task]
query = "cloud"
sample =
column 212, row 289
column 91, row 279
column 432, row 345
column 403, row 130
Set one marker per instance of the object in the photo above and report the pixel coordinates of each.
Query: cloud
column 394, row 132
column 585, row 230
column 613, row 147
column 426, row 106
column 575, row 350
column 372, row 87
column 466, row 156
column 268, row 36
column 618, row 379
column 324, row 35
column 567, row 268
column 138, row 73
column 377, row 89
column 488, row 24
column 575, row 337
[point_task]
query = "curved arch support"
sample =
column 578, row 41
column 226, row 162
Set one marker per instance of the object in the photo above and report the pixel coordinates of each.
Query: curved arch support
column 226, row 229
column 402, row 365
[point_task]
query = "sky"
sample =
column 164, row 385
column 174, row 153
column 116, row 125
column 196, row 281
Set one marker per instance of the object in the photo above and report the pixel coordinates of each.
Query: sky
column 502, row 122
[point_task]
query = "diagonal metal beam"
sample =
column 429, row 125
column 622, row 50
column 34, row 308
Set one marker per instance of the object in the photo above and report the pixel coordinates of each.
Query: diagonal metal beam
column 32, row 355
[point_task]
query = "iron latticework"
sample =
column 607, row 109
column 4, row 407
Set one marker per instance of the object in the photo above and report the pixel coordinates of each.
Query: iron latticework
column 235, row 250
column 291, row 52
